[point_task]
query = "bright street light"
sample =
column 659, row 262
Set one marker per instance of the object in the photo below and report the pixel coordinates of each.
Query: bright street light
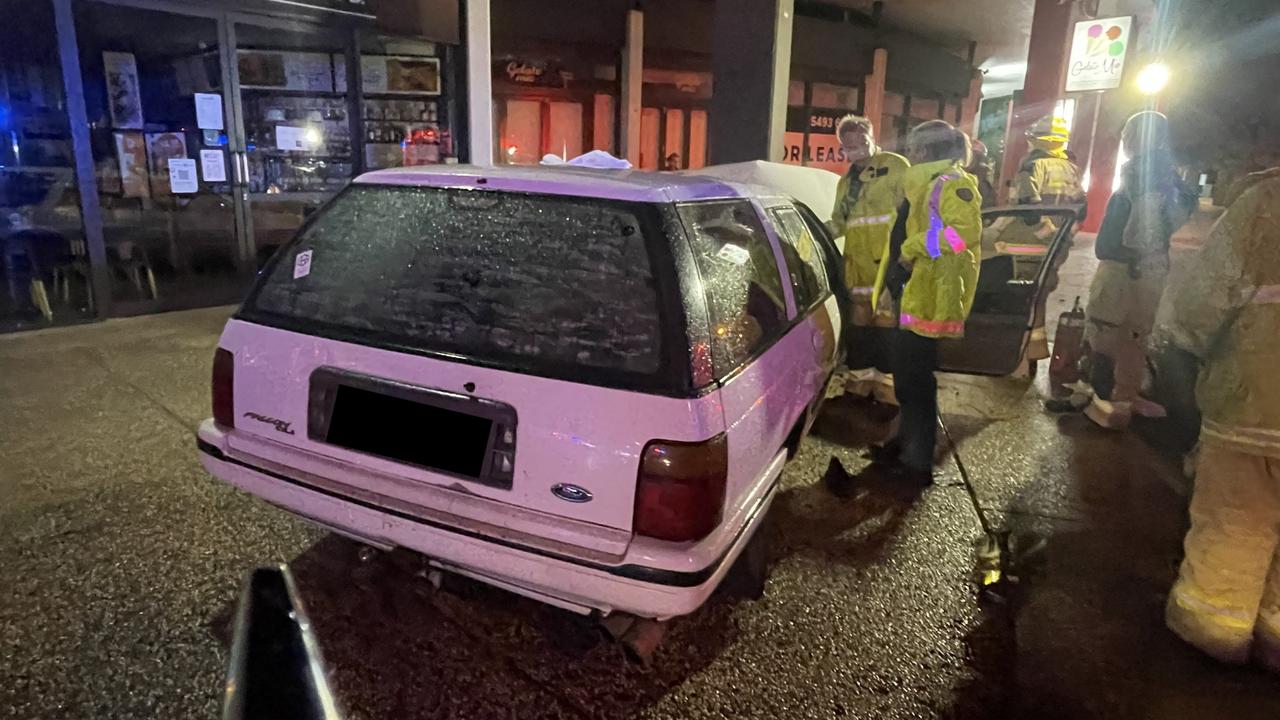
column 1153, row 78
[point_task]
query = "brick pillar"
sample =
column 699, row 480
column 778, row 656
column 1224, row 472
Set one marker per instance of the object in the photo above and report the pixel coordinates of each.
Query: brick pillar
column 969, row 106
column 1050, row 47
column 873, row 87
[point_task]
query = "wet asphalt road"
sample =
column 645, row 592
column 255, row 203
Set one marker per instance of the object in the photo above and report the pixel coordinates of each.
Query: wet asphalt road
column 120, row 562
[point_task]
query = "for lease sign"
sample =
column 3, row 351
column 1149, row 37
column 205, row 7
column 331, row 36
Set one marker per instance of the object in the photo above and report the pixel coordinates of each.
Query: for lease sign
column 1098, row 50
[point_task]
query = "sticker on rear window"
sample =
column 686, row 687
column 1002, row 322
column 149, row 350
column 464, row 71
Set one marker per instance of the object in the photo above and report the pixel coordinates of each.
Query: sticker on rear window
column 735, row 254
column 302, row 264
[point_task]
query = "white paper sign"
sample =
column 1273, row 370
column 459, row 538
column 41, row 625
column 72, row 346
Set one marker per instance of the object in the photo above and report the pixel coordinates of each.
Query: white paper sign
column 735, row 254
column 182, row 175
column 209, row 111
column 302, row 264
column 1098, row 50
column 213, row 166
column 290, row 138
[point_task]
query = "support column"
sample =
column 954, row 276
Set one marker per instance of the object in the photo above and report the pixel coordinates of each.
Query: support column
column 479, row 84
column 751, row 59
column 873, row 90
column 1049, row 49
column 355, row 102
column 632, row 82
column 82, row 154
column 969, row 106
column 1103, row 152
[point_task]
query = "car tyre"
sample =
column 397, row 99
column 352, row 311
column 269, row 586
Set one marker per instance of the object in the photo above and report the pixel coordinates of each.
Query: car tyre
column 747, row 578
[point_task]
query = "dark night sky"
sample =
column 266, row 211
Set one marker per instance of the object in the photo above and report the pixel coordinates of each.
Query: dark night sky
column 1222, row 99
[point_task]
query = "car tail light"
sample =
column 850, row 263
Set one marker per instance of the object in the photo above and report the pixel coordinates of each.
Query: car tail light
column 680, row 492
column 224, row 370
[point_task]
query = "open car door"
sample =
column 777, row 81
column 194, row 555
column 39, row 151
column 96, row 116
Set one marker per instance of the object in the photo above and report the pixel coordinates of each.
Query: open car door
column 1022, row 248
column 832, row 260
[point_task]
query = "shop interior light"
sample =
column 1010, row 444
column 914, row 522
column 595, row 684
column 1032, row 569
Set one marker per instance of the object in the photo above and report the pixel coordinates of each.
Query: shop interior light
column 313, row 136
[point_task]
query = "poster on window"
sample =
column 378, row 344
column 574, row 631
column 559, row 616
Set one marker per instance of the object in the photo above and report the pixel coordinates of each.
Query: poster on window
column 124, row 96
column 261, row 69
column 131, row 154
column 161, row 148
column 392, row 74
column 312, row 72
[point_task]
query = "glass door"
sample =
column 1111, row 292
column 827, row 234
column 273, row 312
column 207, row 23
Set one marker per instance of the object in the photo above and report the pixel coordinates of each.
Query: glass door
column 155, row 91
column 295, row 145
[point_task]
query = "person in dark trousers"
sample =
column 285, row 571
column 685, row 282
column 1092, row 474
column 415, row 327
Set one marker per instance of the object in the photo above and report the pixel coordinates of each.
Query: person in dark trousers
column 1133, row 253
column 930, row 274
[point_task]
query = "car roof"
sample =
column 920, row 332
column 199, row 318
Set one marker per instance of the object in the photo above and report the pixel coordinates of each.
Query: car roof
column 633, row 185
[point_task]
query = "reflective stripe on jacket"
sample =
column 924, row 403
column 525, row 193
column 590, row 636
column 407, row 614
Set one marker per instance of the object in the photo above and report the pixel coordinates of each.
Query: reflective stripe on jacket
column 1226, row 311
column 865, row 210
column 943, row 245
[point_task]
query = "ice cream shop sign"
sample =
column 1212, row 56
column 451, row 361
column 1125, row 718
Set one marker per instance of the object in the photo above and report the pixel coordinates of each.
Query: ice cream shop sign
column 1098, row 50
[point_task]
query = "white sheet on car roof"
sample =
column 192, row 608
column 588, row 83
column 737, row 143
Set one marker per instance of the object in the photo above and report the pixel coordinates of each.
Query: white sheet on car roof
column 814, row 187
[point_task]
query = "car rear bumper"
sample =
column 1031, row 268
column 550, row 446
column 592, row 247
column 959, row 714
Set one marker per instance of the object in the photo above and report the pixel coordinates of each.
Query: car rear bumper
column 556, row 578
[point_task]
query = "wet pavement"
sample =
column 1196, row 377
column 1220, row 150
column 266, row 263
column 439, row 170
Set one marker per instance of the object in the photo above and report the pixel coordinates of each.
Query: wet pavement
column 120, row 561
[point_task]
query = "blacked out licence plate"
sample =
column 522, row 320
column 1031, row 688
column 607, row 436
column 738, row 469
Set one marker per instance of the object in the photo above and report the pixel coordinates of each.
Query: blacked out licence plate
column 436, row 430
column 409, row 431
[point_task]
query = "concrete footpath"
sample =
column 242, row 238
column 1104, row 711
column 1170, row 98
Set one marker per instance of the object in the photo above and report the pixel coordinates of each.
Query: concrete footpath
column 120, row 562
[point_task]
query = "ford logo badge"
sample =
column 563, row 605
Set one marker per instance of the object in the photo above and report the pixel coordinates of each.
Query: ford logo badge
column 571, row 493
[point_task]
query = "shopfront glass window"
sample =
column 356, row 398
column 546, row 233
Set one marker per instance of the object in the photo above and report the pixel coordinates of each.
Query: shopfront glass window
column 404, row 112
column 297, row 124
column 42, row 249
column 521, row 130
column 564, row 129
column 158, row 130
column 834, row 97
column 604, row 110
column 925, row 108
column 894, row 123
column 650, row 138
column 795, row 93
column 698, row 120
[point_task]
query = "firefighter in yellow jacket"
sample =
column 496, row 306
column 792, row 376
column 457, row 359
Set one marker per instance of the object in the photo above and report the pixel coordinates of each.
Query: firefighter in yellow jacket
column 1046, row 177
column 867, row 200
column 930, row 272
column 1227, row 313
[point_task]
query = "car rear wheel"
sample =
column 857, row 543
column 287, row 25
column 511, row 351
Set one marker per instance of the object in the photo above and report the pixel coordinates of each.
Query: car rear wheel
column 747, row 578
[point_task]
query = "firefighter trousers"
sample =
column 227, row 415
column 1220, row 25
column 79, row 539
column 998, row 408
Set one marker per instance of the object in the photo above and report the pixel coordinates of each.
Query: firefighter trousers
column 1226, row 600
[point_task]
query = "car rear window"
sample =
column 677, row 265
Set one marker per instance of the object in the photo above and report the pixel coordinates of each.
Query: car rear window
column 549, row 284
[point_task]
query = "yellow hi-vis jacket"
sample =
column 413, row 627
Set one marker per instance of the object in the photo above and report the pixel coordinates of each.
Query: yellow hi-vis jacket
column 1045, row 179
column 1226, row 311
column 866, row 217
column 943, row 245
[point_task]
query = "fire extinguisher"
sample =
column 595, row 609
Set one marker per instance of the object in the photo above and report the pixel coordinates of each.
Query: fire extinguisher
column 1068, row 345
